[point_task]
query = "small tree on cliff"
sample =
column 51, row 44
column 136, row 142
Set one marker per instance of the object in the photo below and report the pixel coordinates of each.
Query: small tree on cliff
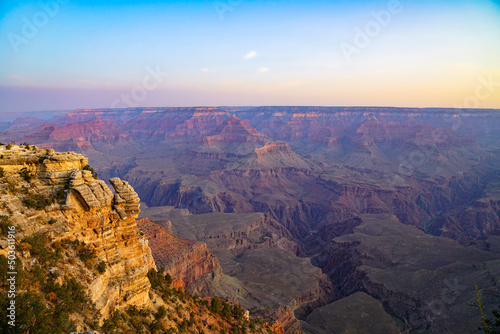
column 215, row 305
column 488, row 326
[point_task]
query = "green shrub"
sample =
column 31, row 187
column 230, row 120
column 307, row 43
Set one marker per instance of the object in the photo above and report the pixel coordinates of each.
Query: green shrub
column 85, row 253
column 168, row 279
column 215, row 305
column 37, row 201
column 94, row 173
column 4, row 225
column 36, row 318
column 38, row 248
column 489, row 326
column 61, row 195
column 226, row 310
column 137, row 324
column 26, row 174
column 108, row 326
column 238, row 312
column 101, row 267
column 132, row 311
column 161, row 312
column 155, row 326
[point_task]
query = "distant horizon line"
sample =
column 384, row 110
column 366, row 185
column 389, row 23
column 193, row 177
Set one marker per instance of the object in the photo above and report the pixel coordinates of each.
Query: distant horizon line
column 237, row 106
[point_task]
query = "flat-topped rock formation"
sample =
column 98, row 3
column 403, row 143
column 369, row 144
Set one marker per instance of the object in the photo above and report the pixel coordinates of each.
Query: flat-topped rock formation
column 49, row 166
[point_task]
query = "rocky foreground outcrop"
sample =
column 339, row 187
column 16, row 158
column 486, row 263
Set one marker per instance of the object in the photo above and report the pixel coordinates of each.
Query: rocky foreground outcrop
column 86, row 210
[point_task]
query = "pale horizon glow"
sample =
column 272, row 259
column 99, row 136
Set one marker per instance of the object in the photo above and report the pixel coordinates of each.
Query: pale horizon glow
column 90, row 53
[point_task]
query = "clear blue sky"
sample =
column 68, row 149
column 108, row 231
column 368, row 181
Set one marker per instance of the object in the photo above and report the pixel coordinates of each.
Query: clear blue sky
column 87, row 54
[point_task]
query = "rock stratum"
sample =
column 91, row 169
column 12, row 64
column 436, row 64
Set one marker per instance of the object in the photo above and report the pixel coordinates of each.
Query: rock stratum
column 186, row 260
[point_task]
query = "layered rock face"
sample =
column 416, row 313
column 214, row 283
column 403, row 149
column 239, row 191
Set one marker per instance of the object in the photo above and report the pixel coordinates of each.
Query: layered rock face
column 117, row 116
column 186, row 260
column 174, row 123
column 79, row 136
column 89, row 212
column 476, row 219
column 107, row 222
column 51, row 167
column 369, row 164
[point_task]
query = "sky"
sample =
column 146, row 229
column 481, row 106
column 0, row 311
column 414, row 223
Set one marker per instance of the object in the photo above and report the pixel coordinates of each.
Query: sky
column 71, row 54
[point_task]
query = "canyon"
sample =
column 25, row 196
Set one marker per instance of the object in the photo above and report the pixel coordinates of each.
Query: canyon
column 300, row 213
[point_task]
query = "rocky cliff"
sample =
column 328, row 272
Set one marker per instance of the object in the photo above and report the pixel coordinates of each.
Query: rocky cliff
column 67, row 203
column 78, row 136
column 186, row 260
column 477, row 219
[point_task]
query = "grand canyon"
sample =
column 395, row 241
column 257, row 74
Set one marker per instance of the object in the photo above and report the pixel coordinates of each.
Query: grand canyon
column 314, row 219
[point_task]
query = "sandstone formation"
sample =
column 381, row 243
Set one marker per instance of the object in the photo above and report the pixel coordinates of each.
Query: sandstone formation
column 52, row 167
column 90, row 213
column 186, row 260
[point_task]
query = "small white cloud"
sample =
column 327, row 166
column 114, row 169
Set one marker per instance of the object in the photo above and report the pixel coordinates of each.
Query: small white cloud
column 204, row 69
column 263, row 70
column 251, row 54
